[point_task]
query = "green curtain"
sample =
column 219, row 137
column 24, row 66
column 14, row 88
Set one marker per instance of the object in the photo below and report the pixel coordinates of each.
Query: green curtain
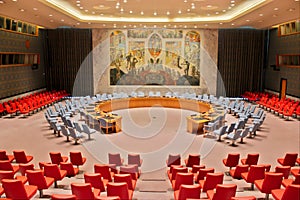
column 240, row 60
column 68, row 58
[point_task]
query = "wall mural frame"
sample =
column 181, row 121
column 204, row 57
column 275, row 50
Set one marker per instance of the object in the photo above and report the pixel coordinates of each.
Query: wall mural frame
column 154, row 57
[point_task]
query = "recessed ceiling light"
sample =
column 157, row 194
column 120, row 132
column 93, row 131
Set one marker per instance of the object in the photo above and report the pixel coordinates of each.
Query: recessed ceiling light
column 276, row 8
column 102, row 25
column 195, row 26
column 35, row 9
column 145, row 26
column 261, row 14
column 179, row 11
column 78, row 1
column 93, row 12
column 208, row 14
column 125, row 1
column 142, row 13
column 188, row 10
column 223, row 10
column 291, row 9
column 165, row 26
column 124, row 26
column 121, row 9
column 81, row 8
column 115, row 26
column 232, row 5
column 134, row 26
column 62, row 20
column 78, row 5
column 217, row 13
column 232, row 24
column 232, row 1
column 51, row 20
column 206, row 25
column 229, row 7
column 154, row 26
column 78, row 23
column 247, row 20
column 193, row 7
column 175, row 26
column 86, row 10
column 14, row 0
column 168, row 13
column 130, row 11
column 296, row 0
column 1, row 2
column 185, row 26
column 221, row 23
column 185, row 1
column 22, row 10
column 155, row 13
column 209, row 6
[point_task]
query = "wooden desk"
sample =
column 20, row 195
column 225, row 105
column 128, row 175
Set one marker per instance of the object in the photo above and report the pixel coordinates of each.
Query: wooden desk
column 116, row 120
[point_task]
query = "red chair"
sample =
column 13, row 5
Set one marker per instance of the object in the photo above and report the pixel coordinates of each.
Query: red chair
column 84, row 191
column 270, row 182
column 188, row 192
column 256, row 172
column 63, row 197
column 193, row 159
column 52, row 170
column 10, row 110
column 238, row 170
column 182, row 179
column 176, row 170
column 57, row 158
column 244, row 198
column 291, row 192
column 25, row 166
column 1, row 191
column 71, row 171
column 202, row 173
column 115, row 158
column 4, row 156
column 37, row 178
column 232, row 160
column 173, row 159
column 11, row 175
column 295, row 181
column 130, row 169
column 95, row 179
column 196, row 168
column 118, row 178
column 21, row 157
column 15, row 189
column 120, row 190
column 104, row 170
column 134, row 159
column 77, row 159
column 295, row 171
column 7, row 166
column 252, row 159
column 285, row 170
column 288, row 160
column 211, row 181
column 223, row 192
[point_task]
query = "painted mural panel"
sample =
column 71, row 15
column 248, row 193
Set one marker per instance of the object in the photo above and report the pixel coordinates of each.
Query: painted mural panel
column 154, row 57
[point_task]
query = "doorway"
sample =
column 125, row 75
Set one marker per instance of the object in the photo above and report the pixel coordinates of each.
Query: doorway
column 283, row 86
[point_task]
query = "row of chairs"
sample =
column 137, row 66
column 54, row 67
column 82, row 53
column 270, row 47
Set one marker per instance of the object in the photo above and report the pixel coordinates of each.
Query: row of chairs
column 31, row 103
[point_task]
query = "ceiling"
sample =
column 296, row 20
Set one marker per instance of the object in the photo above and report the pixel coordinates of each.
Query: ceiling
column 258, row 14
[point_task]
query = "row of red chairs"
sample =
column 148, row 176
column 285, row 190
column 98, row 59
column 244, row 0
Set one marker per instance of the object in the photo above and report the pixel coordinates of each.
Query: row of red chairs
column 31, row 103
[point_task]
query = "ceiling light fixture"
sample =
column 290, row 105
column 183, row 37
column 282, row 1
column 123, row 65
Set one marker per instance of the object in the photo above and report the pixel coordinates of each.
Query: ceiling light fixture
column 35, row 9
column 155, row 13
column 168, row 13
column 1, row 1
column 142, row 13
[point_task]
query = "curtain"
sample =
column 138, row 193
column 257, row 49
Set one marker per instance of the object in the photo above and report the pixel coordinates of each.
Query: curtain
column 68, row 60
column 240, row 61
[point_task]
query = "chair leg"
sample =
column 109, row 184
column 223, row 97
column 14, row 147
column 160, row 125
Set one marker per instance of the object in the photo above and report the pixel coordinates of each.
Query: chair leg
column 55, row 184
column 41, row 193
column 267, row 197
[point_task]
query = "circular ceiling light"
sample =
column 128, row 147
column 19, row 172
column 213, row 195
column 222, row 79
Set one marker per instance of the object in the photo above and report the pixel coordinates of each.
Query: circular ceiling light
column 101, row 7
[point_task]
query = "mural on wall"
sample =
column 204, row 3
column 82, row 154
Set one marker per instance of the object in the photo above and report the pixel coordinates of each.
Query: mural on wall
column 154, row 57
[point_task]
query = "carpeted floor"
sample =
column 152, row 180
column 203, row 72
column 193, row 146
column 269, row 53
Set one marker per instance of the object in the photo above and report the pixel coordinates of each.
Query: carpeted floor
column 154, row 133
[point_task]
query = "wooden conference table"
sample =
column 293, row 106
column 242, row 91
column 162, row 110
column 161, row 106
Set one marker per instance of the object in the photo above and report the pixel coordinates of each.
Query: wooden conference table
column 206, row 112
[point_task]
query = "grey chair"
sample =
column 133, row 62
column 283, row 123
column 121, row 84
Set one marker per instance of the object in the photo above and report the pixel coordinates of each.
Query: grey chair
column 244, row 134
column 234, row 136
column 230, row 128
column 253, row 128
column 56, row 128
column 65, row 132
column 221, row 131
column 88, row 130
column 75, row 135
column 77, row 127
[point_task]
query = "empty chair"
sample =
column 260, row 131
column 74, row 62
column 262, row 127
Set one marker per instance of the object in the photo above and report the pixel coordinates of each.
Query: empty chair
column 120, row 190
column 134, row 159
column 196, row 168
column 182, row 178
column 119, row 178
column 52, row 170
column 56, row 128
column 4, row 156
column 21, row 157
column 57, row 158
column 232, row 160
column 37, row 178
column 238, row 170
column 252, row 159
column 285, row 170
column 25, row 166
column 6, row 165
column 11, row 175
column 130, row 169
column 65, row 132
column 221, row 131
column 256, row 172
column 77, row 159
column 71, row 171
column 15, row 189
column 230, row 128
column 106, row 125
column 173, row 159
column 202, row 173
column 234, row 136
column 288, row 160
column 88, row 130
column 84, row 191
column 75, row 135
column 270, row 182
column 104, row 170
column 63, row 197
column 95, row 179
column 115, row 158
column 211, row 181
column 188, row 192
column 295, row 181
column 291, row 192
column 244, row 134
column 77, row 127
column 193, row 159
column 1, row 191
column 176, row 170
column 222, row 192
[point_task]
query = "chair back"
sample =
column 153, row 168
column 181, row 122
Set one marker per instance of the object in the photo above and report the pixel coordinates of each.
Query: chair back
column 52, row 170
column 178, row 170
column 203, row 172
column 193, row 159
column 71, row 171
column 134, row 159
column 183, row 178
column 56, row 157
column 212, row 180
column 36, row 177
column 104, row 170
column 252, row 159
column 14, row 189
column 256, row 172
column 76, row 158
column 95, row 179
column 189, row 191
column 225, row 191
column 173, row 159
column 130, row 169
column 232, row 160
column 25, row 166
column 230, row 128
column 115, row 158
column 6, row 175
column 196, row 168
column 82, row 190
column 6, row 165
column 20, row 156
column 3, row 155
column 290, row 159
column 291, row 192
column 272, row 181
column 119, row 178
column 285, row 170
column 239, row 169
column 77, row 127
column 118, row 189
